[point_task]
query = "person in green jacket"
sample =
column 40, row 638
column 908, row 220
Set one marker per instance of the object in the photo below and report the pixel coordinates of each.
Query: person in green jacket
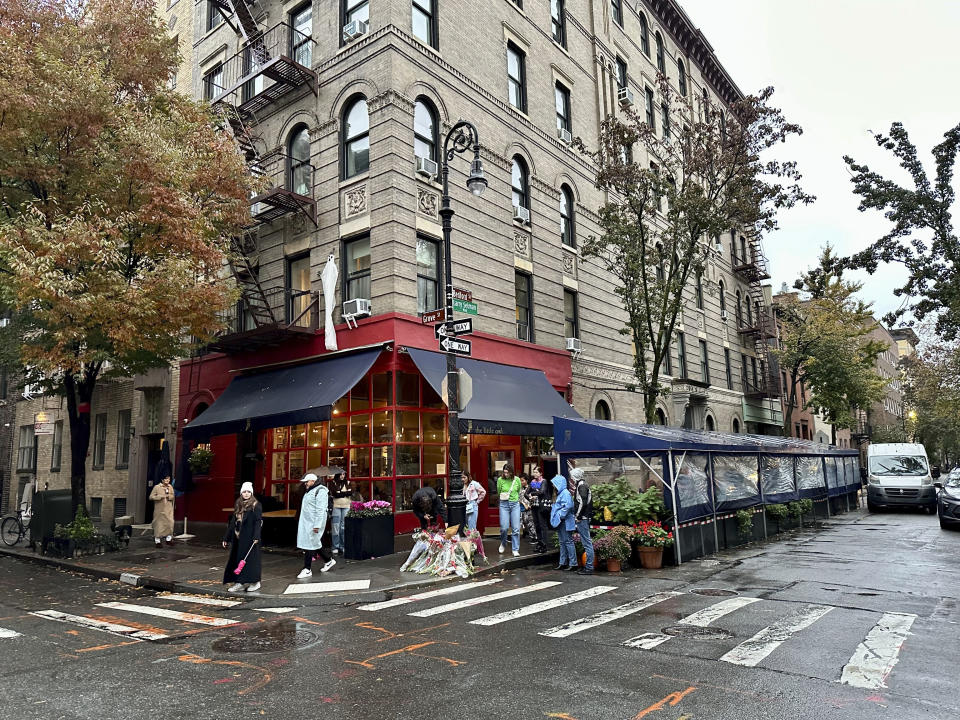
column 508, row 486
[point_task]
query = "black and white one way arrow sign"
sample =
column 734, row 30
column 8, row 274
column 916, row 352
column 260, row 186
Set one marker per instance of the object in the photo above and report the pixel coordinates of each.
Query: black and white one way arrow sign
column 453, row 329
column 459, row 347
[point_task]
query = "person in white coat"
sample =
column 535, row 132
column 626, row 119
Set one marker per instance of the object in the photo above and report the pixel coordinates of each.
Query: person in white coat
column 313, row 521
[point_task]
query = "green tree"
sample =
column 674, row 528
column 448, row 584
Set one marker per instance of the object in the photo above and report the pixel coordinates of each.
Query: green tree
column 711, row 173
column 825, row 345
column 118, row 198
column 932, row 394
column 922, row 237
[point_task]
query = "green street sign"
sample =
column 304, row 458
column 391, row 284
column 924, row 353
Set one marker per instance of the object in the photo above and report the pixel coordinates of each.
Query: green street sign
column 470, row 308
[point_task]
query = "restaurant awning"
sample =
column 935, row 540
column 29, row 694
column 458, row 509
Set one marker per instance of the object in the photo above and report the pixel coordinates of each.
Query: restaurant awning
column 285, row 396
column 507, row 400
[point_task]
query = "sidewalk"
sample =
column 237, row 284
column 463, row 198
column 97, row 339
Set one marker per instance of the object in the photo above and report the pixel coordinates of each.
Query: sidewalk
column 197, row 567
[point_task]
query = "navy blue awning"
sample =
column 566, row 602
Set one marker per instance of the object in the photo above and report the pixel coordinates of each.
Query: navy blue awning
column 286, row 396
column 507, row 400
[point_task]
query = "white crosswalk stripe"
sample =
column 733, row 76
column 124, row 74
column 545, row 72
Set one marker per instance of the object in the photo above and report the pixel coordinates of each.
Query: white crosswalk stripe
column 171, row 614
column 450, row 607
column 102, row 625
column 427, row 595
column 200, row 600
column 750, row 652
column 5, row 633
column 608, row 616
column 545, row 605
column 701, row 618
column 875, row 657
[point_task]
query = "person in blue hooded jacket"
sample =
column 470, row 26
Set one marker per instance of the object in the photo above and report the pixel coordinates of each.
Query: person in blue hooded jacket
column 562, row 518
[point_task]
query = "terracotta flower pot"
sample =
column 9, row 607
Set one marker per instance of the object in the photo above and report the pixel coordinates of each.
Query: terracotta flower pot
column 650, row 557
column 613, row 565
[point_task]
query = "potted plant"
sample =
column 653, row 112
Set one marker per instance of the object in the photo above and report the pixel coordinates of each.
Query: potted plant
column 368, row 530
column 778, row 512
column 650, row 539
column 200, row 460
column 613, row 547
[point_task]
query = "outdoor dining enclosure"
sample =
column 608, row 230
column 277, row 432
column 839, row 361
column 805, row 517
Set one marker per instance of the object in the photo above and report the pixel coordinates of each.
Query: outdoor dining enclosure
column 707, row 477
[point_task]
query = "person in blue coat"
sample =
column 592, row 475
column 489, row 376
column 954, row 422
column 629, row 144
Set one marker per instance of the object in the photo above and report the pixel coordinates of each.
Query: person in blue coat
column 313, row 521
column 562, row 518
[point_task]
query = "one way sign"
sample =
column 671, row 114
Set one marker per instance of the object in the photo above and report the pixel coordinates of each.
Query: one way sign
column 458, row 347
column 453, row 329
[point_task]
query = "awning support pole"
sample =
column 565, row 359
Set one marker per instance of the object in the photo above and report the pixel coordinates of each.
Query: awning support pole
column 760, row 488
column 673, row 501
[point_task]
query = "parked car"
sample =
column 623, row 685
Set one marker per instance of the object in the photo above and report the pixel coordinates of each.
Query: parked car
column 948, row 500
column 899, row 475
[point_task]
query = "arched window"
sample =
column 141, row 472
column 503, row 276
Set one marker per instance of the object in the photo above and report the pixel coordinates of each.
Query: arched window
column 723, row 299
column 520, row 183
column 682, row 77
column 356, row 138
column 661, row 62
column 736, row 425
column 739, row 309
column 425, row 130
column 710, row 426
column 567, row 234
column 644, row 35
column 300, row 171
column 602, row 411
column 661, row 417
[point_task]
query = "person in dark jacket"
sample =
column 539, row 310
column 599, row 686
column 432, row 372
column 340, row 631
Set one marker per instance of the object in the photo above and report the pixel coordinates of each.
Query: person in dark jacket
column 428, row 506
column 243, row 539
column 541, row 496
column 340, row 491
column 583, row 512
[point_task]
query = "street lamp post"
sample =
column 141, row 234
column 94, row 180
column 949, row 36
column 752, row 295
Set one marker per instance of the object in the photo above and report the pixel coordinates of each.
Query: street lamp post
column 461, row 138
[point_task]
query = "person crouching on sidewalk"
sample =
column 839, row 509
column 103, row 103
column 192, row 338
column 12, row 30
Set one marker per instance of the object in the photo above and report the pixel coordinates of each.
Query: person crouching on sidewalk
column 313, row 521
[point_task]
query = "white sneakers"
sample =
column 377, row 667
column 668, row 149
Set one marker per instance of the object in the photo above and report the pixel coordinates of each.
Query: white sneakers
column 328, row 565
column 305, row 573
column 236, row 587
column 516, row 553
column 254, row 587
column 335, row 551
column 501, row 549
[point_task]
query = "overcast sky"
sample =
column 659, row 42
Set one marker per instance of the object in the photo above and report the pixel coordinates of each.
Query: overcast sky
column 841, row 68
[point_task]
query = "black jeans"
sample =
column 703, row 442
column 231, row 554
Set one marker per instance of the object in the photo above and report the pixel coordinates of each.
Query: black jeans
column 323, row 552
column 541, row 521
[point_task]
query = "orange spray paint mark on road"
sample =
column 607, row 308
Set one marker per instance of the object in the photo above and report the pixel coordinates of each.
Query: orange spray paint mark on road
column 197, row 660
column 560, row 716
column 108, row 647
column 370, row 666
column 672, row 699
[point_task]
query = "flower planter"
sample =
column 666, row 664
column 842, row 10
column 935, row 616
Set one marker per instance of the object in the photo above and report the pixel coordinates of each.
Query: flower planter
column 651, row 558
column 613, row 565
column 368, row 537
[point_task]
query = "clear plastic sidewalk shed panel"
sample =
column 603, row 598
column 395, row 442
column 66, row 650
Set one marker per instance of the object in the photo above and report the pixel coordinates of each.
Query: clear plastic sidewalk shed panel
column 707, row 476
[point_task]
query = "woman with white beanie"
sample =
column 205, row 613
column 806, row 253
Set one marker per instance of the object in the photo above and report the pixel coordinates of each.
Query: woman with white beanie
column 243, row 539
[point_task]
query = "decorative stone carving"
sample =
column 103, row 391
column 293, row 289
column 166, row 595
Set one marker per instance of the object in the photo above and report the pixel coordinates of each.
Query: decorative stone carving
column 569, row 264
column 298, row 223
column 390, row 97
column 428, row 203
column 522, row 245
column 355, row 201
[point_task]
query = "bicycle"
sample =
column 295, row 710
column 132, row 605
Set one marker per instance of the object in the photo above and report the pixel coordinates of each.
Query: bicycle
column 13, row 528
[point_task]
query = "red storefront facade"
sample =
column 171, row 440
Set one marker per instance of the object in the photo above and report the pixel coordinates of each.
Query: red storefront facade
column 389, row 431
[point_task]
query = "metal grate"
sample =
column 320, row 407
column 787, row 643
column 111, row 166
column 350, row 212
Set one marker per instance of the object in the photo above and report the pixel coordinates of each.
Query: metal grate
column 119, row 507
column 714, row 592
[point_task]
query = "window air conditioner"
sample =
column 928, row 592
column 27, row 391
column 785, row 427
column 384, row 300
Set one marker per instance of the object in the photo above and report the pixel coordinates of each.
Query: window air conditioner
column 625, row 96
column 521, row 214
column 427, row 167
column 353, row 30
column 564, row 135
column 574, row 345
column 356, row 308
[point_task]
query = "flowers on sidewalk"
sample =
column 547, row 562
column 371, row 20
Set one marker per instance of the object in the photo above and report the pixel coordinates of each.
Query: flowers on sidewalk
column 371, row 508
column 652, row 534
column 440, row 553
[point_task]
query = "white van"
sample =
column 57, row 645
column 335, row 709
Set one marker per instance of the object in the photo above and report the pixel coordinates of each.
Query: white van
column 899, row 474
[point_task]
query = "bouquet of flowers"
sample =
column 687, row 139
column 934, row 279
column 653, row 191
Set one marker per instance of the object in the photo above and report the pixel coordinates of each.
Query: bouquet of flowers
column 441, row 554
column 371, row 508
column 651, row 534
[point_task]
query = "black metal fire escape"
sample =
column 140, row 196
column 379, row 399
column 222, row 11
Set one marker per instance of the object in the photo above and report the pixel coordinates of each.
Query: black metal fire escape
column 752, row 267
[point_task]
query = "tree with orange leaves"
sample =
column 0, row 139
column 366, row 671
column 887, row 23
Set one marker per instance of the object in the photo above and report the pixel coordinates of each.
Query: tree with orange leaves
column 118, row 199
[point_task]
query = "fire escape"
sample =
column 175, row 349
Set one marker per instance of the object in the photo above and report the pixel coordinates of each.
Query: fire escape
column 270, row 68
column 751, row 265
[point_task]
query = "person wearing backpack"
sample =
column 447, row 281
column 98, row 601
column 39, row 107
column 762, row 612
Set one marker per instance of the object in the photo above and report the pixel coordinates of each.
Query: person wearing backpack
column 583, row 512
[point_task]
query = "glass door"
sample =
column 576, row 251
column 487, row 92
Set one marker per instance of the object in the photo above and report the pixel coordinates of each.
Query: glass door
column 495, row 460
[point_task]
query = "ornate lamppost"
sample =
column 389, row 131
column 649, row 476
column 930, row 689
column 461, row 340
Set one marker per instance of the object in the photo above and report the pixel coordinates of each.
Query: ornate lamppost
column 461, row 138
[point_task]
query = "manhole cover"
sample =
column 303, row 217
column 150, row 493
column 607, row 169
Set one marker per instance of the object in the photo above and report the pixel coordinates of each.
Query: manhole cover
column 698, row 633
column 280, row 636
column 714, row 592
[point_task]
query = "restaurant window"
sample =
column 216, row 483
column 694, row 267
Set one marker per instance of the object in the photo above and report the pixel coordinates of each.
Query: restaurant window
column 356, row 255
column 571, row 320
column 516, row 77
column 356, row 138
column 428, row 273
column 26, row 450
column 123, row 439
column 99, row 440
column 558, row 21
column 681, row 356
column 298, row 290
column 425, row 22
column 56, row 451
column 524, row 297
column 301, row 38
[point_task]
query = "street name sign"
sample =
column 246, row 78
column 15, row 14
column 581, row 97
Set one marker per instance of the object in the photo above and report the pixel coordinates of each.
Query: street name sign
column 470, row 308
column 433, row 316
column 453, row 328
column 461, row 294
column 42, row 424
column 457, row 347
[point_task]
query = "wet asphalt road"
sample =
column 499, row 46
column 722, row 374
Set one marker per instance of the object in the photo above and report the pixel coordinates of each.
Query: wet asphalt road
column 873, row 598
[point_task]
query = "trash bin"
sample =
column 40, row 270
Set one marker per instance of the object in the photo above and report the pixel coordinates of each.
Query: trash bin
column 50, row 508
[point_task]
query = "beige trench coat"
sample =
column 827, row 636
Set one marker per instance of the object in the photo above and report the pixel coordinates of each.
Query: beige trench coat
column 162, row 496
